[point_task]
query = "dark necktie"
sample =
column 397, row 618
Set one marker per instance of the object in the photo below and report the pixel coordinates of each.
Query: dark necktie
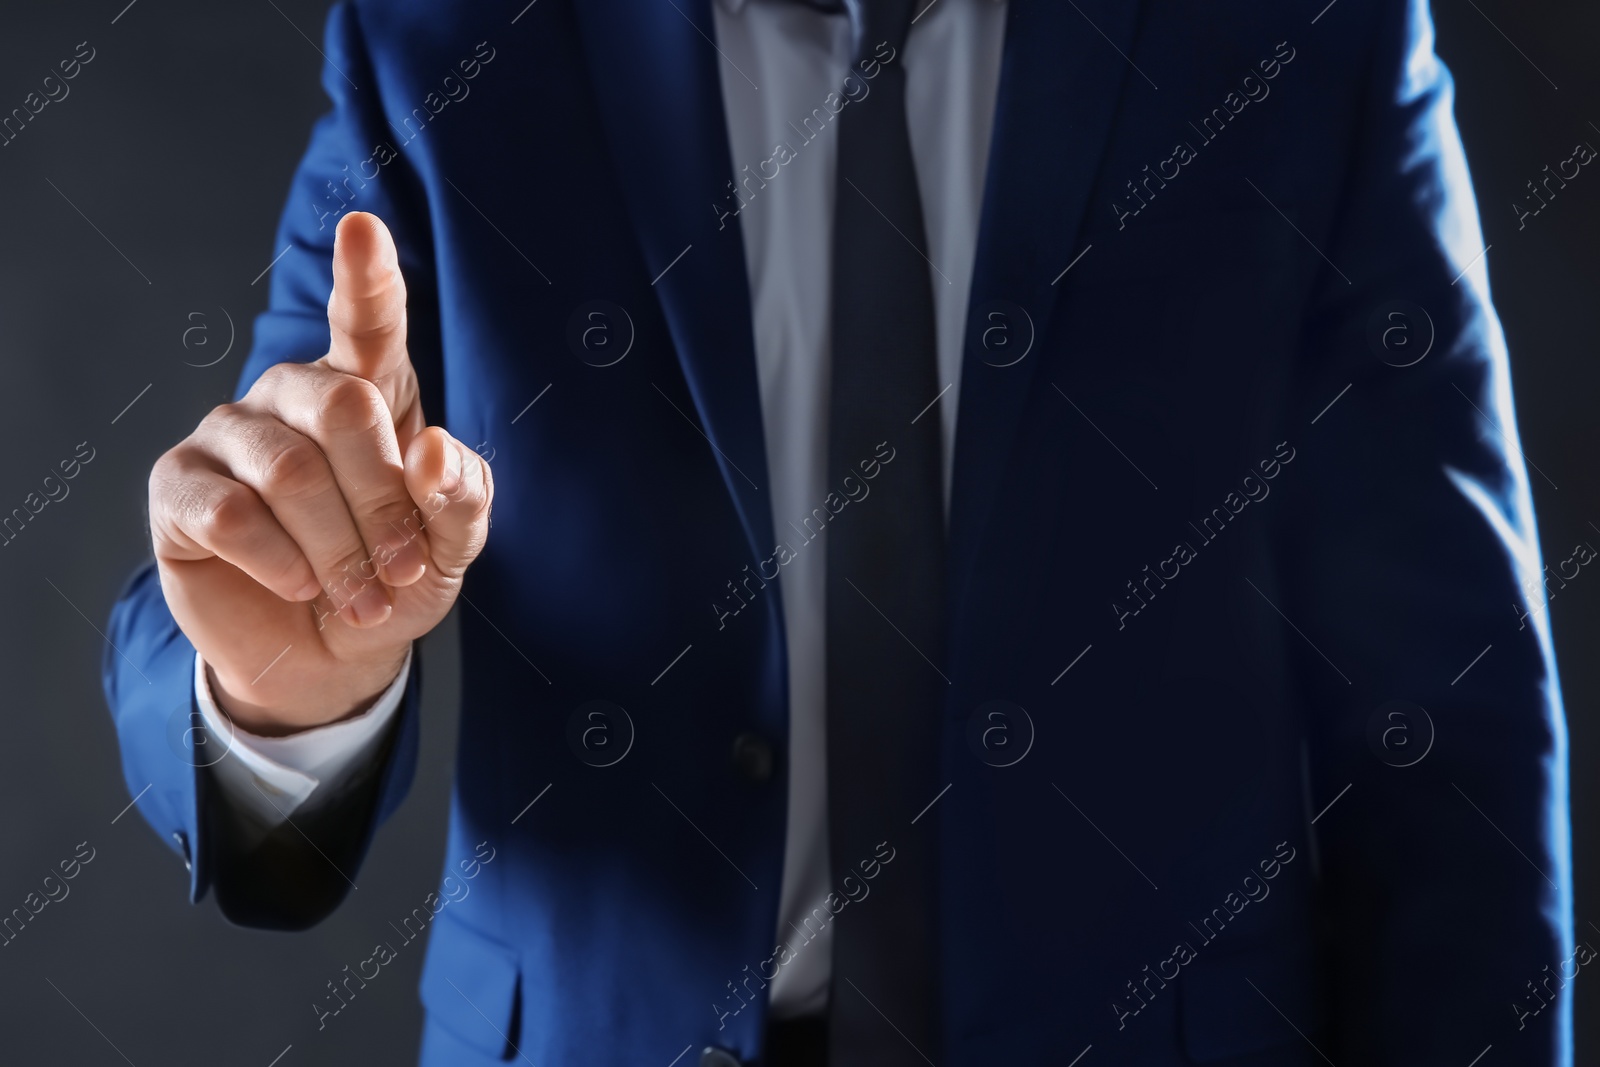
column 885, row 574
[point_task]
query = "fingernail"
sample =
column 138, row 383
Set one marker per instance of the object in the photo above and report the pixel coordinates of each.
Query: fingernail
column 310, row 591
column 405, row 565
column 370, row 606
column 452, row 468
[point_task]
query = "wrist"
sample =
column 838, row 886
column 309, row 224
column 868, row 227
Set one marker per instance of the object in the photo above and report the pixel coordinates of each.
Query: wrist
column 325, row 701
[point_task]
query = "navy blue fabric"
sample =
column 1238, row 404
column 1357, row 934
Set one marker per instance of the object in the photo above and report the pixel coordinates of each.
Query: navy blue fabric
column 1214, row 712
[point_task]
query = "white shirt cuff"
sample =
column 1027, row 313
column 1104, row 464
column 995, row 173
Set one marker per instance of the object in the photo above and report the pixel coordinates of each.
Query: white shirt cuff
column 272, row 777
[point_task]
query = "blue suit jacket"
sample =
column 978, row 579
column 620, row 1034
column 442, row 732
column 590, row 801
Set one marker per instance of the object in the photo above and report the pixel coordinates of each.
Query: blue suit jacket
column 1191, row 468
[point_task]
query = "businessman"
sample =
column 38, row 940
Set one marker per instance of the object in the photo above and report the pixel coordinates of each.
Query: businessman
column 973, row 522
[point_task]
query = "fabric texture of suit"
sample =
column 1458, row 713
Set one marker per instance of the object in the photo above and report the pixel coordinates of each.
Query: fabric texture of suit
column 1208, row 486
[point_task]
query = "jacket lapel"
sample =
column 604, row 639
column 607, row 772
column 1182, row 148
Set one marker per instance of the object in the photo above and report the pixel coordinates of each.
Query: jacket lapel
column 657, row 84
column 658, row 87
column 1060, row 81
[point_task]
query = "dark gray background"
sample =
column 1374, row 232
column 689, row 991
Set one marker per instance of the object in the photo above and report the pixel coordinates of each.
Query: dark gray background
column 176, row 143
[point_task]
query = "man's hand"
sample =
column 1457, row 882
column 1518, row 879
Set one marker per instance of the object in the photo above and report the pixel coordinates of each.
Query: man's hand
column 306, row 534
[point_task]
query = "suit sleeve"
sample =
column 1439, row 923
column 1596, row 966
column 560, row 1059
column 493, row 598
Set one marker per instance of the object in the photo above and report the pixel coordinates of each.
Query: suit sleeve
column 1411, row 561
column 350, row 164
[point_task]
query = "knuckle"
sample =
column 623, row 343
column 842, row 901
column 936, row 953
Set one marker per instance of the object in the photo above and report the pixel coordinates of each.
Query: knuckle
column 488, row 482
column 278, row 378
column 227, row 517
column 365, row 317
column 172, row 478
column 161, row 495
column 294, row 469
column 340, row 309
column 350, row 404
column 272, row 378
column 218, row 416
column 163, row 470
column 482, row 498
column 469, row 503
column 470, row 496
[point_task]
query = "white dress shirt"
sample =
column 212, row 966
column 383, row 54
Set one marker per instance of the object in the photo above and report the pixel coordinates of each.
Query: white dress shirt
column 781, row 61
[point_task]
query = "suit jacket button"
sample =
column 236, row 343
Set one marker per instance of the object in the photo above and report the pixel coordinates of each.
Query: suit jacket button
column 718, row 1057
column 183, row 845
column 752, row 757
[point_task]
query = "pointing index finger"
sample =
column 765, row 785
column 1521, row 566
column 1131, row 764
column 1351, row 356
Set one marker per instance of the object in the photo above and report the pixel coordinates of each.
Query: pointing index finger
column 367, row 310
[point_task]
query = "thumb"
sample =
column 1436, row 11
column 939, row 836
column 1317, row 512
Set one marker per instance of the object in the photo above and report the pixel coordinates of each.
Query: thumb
column 367, row 311
column 453, row 487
